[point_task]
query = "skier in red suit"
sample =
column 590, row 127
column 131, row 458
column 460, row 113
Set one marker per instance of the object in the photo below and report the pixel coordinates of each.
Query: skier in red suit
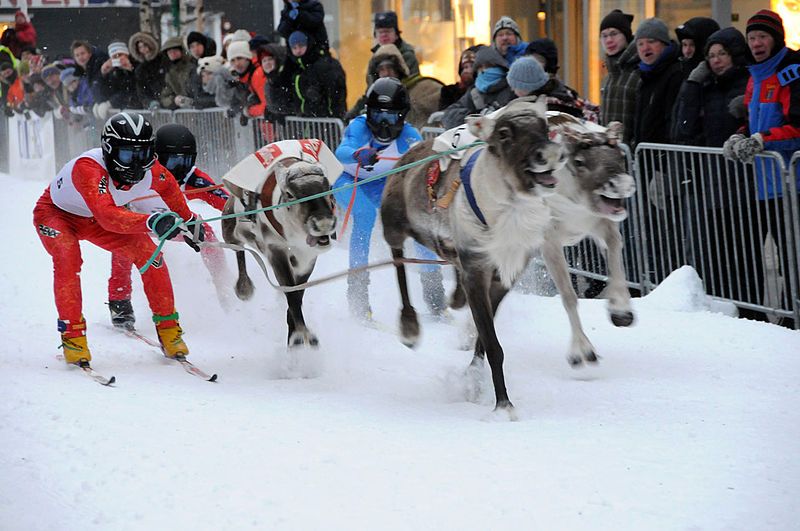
column 176, row 149
column 84, row 203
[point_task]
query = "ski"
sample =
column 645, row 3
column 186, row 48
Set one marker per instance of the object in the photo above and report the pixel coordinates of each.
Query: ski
column 187, row 365
column 94, row 375
column 191, row 368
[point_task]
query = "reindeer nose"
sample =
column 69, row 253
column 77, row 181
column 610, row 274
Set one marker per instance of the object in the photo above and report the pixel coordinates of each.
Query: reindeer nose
column 322, row 224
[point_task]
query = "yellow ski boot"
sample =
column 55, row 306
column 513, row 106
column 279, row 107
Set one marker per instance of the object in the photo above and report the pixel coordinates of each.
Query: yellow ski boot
column 73, row 341
column 171, row 339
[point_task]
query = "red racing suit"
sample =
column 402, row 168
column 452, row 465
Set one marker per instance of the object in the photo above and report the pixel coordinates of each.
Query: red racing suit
column 119, row 283
column 82, row 203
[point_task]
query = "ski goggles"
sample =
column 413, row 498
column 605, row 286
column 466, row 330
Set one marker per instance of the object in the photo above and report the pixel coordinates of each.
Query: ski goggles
column 141, row 154
column 390, row 117
column 179, row 160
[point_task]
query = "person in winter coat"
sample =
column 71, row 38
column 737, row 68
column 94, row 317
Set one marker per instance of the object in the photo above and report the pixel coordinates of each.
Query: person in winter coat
column 703, row 117
column 692, row 36
column 78, row 96
column 91, row 61
column 39, row 98
column 272, row 58
column 307, row 16
column 22, row 35
column 199, row 46
column 386, row 31
column 424, row 92
column 316, row 81
column 661, row 80
column 178, row 69
column 507, row 39
column 491, row 90
column 526, row 77
column 620, row 86
column 466, row 79
column 239, row 91
column 217, row 80
column 772, row 97
column 151, row 71
column 121, row 80
column 372, row 144
column 13, row 94
column 85, row 202
column 176, row 150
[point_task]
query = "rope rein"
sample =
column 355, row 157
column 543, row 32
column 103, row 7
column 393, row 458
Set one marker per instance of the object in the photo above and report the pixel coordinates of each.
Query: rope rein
column 184, row 227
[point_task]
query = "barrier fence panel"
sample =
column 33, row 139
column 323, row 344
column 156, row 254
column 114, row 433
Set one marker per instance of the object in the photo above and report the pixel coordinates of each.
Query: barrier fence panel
column 701, row 209
column 429, row 133
column 216, row 138
column 794, row 205
column 4, row 146
column 329, row 130
column 74, row 136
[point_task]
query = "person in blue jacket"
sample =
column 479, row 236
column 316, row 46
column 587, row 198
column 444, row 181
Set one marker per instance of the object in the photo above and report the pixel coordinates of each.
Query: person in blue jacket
column 372, row 144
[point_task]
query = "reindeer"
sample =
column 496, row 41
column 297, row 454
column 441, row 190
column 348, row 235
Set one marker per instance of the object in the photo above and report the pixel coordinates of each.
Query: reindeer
column 589, row 201
column 490, row 225
column 292, row 237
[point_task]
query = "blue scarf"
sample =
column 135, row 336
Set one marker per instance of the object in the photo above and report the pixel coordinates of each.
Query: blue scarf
column 489, row 77
column 644, row 67
column 761, row 71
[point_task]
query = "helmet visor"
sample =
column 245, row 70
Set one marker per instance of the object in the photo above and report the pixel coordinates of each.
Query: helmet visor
column 179, row 160
column 128, row 155
column 390, row 117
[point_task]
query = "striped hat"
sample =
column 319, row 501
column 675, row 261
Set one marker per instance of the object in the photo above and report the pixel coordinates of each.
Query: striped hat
column 771, row 22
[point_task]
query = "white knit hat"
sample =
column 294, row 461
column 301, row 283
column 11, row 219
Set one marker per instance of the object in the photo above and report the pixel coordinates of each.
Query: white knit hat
column 118, row 47
column 239, row 49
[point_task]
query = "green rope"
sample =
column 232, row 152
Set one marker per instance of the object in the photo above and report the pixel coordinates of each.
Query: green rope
column 398, row 169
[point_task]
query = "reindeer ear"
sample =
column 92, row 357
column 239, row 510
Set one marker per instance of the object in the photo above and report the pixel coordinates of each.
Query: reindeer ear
column 481, row 126
column 570, row 135
column 541, row 105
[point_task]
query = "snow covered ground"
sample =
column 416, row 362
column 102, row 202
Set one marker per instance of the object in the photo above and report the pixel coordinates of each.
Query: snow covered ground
column 690, row 421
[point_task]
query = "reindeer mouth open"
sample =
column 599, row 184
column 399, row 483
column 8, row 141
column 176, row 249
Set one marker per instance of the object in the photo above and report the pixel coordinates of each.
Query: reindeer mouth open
column 545, row 179
column 320, row 241
column 612, row 206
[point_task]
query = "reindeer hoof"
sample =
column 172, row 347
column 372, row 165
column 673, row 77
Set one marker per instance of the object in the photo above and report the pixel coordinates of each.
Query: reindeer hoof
column 504, row 411
column 590, row 357
column 622, row 318
column 244, row 288
column 303, row 339
column 574, row 361
column 409, row 328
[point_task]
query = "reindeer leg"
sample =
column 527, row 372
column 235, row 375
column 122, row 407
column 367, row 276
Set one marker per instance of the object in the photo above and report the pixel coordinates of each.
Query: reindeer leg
column 619, row 298
column 581, row 348
column 458, row 298
column 409, row 324
column 474, row 372
column 298, row 333
column 244, row 286
column 477, row 282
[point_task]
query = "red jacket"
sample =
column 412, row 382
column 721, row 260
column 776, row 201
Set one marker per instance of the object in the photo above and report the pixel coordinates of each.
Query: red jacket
column 199, row 179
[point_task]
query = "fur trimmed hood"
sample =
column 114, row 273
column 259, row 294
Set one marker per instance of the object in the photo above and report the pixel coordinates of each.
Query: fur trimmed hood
column 148, row 39
column 388, row 52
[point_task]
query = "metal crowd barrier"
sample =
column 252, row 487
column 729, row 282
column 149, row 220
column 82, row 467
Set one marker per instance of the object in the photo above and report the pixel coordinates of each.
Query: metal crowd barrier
column 4, row 146
column 701, row 209
column 429, row 132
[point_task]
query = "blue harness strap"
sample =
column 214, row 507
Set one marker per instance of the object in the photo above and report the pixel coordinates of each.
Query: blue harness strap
column 466, row 180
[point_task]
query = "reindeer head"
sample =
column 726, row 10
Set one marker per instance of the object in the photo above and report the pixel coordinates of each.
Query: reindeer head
column 316, row 217
column 596, row 169
column 519, row 137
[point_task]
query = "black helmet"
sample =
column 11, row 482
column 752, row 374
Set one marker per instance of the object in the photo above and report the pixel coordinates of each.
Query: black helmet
column 387, row 107
column 127, row 143
column 176, row 149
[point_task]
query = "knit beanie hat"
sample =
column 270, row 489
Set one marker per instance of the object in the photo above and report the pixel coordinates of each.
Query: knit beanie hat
column 548, row 50
column 772, row 23
column 172, row 43
column 506, row 23
column 68, row 76
column 387, row 19
column 49, row 70
column 239, row 49
column 653, row 28
column 618, row 20
column 118, row 47
column 298, row 38
column 241, row 35
column 489, row 56
column 527, row 74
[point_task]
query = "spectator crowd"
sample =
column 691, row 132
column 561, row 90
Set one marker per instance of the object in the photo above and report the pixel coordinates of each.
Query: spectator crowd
column 698, row 84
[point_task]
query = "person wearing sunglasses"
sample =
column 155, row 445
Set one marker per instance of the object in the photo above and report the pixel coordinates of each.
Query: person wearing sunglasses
column 372, row 144
column 176, row 150
column 85, row 202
